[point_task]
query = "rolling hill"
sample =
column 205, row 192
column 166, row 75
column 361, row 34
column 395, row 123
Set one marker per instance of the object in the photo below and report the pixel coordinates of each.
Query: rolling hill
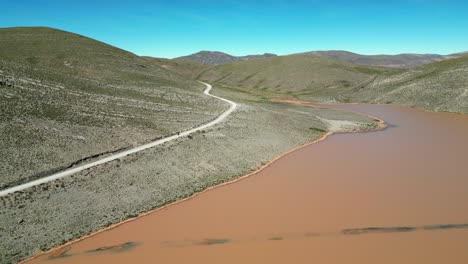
column 65, row 98
column 402, row 61
column 304, row 76
column 438, row 86
column 217, row 58
column 395, row 61
column 76, row 97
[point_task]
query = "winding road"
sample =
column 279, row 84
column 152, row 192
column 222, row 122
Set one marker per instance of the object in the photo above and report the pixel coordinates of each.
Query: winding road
column 122, row 154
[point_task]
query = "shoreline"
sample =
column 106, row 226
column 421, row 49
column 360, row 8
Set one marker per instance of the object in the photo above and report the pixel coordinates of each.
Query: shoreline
column 315, row 104
column 380, row 126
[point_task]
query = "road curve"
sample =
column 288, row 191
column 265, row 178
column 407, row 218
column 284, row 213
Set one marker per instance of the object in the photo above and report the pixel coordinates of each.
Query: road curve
column 122, row 154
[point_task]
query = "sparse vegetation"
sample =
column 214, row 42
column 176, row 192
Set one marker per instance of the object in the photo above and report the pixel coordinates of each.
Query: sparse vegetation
column 439, row 86
column 316, row 129
column 75, row 97
column 298, row 76
column 394, row 61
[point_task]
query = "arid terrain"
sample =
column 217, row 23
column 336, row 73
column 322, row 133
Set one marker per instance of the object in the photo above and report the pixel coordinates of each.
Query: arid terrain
column 384, row 196
column 109, row 99
column 438, row 86
column 66, row 100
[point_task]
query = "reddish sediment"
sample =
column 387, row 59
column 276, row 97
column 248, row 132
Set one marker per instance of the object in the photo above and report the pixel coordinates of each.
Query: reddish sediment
column 410, row 174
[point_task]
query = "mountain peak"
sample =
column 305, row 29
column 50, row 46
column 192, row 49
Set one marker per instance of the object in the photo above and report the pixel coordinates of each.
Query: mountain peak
column 217, row 57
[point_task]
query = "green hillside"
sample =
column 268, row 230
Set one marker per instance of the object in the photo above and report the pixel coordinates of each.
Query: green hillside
column 76, row 97
column 187, row 69
column 439, row 86
column 394, row 61
column 301, row 76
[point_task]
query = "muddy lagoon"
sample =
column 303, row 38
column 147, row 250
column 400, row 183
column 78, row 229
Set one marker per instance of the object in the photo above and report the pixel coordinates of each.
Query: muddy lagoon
column 396, row 195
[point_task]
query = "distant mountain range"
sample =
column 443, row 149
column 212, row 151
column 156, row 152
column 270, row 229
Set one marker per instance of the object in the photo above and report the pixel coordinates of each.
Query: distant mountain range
column 407, row 60
column 217, row 58
column 394, row 61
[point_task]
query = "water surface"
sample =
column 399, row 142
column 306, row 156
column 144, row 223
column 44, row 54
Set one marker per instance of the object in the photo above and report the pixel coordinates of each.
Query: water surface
column 394, row 196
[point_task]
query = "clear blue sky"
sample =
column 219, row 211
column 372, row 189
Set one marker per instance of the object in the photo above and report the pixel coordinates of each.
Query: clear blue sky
column 178, row 27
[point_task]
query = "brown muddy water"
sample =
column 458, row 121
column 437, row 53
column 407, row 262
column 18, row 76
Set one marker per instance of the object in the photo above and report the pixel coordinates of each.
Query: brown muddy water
column 399, row 195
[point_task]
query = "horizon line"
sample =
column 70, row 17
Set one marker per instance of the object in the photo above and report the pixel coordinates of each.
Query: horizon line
column 237, row 54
